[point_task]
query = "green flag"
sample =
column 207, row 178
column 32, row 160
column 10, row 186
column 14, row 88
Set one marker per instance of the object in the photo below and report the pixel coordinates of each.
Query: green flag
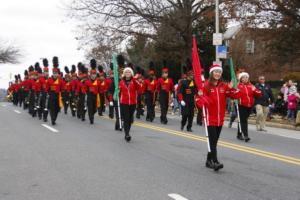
column 233, row 76
column 116, row 77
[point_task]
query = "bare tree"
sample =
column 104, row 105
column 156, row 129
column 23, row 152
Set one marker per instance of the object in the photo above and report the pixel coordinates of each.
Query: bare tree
column 9, row 53
column 118, row 20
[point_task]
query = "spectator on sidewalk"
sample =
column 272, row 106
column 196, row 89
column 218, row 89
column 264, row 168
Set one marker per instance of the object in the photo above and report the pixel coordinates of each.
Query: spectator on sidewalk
column 292, row 103
column 262, row 103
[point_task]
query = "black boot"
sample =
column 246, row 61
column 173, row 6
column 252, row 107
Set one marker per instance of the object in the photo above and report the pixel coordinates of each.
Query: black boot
column 247, row 139
column 217, row 165
column 240, row 137
column 189, row 130
column 127, row 137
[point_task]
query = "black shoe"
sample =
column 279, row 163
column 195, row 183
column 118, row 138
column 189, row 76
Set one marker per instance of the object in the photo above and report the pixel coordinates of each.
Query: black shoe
column 53, row 123
column 210, row 164
column 91, row 121
column 189, row 130
column 247, row 139
column 151, row 120
column 127, row 138
column 138, row 117
column 240, row 137
column 45, row 120
column 181, row 128
column 147, row 119
column 83, row 119
column 218, row 166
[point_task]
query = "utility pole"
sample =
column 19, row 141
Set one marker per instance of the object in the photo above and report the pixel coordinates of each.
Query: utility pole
column 217, row 27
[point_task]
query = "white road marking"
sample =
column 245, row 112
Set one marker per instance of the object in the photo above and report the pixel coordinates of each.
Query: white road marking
column 16, row 111
column 3, row 105
column 50, row 128
column 177, row 197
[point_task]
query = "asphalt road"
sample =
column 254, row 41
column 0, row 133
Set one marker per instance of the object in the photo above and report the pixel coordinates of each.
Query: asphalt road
column 76, row 160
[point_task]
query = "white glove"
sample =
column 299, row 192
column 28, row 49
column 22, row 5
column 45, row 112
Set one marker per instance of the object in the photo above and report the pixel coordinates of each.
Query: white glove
column 182, row 103
column 172, row 104
column 111, row 103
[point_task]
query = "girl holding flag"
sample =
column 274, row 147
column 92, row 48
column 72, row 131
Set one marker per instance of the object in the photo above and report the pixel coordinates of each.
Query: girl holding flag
column 129, row 88
column 246, row 102
column 212, row 97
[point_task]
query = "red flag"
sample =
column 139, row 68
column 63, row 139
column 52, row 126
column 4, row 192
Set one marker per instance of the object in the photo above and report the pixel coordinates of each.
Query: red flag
column 196, row 65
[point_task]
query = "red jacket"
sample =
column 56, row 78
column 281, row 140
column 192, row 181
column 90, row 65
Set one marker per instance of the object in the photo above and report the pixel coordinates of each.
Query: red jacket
column 165, row 85
column 25, row 84
column 150, row 86
column 215, row 102
column 247, row 95
column 103, row 87
column 128, row 95
column 55, row 85
column 67, row 87
column 81, row 87
column 92, row 86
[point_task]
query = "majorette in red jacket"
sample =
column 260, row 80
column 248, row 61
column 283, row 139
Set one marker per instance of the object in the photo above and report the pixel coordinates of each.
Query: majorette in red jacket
column 128, row 95
column 149, row 86
column 55, row 85
column 92, row 86
column 247, row 94
column 81, row 88
column 165, row 85
column 215, row 102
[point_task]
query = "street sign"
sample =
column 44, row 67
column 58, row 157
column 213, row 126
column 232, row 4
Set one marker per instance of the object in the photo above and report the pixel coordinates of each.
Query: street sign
column 217, row 39
column 222, row 51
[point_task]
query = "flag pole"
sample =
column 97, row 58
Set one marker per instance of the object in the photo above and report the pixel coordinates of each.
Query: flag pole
column 199, row 82
column 116, row 92
column 233, row 77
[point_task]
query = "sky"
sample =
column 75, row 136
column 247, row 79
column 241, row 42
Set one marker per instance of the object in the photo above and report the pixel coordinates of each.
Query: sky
column 41, row 29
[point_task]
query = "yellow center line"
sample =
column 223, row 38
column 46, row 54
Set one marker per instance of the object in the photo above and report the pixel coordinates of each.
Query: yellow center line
column 250, row 150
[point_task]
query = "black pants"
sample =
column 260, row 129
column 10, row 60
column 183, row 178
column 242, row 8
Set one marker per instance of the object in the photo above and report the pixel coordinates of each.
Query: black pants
column 25, row 99
column 73, row 104
column 244, row 115
column 101, row 109
column 187, row 113
column 43, row 104
column 31, row 103
column 81, row 110
column 150, row 104
column 53, row 106
column 213, row 135
column 199, row 117
column 118, row 126
column 66, row 101
column 164, row 105
column 15, row 98
column 20, row 99
column 91, row 106
column 127, row 112
column 139, row 107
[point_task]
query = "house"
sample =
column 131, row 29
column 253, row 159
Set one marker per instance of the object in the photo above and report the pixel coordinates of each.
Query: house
column 249, row 49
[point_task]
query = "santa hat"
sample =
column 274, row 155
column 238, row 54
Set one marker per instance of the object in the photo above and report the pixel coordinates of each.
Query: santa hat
column 215, row 67
column 242, row 74
column 127, row 69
